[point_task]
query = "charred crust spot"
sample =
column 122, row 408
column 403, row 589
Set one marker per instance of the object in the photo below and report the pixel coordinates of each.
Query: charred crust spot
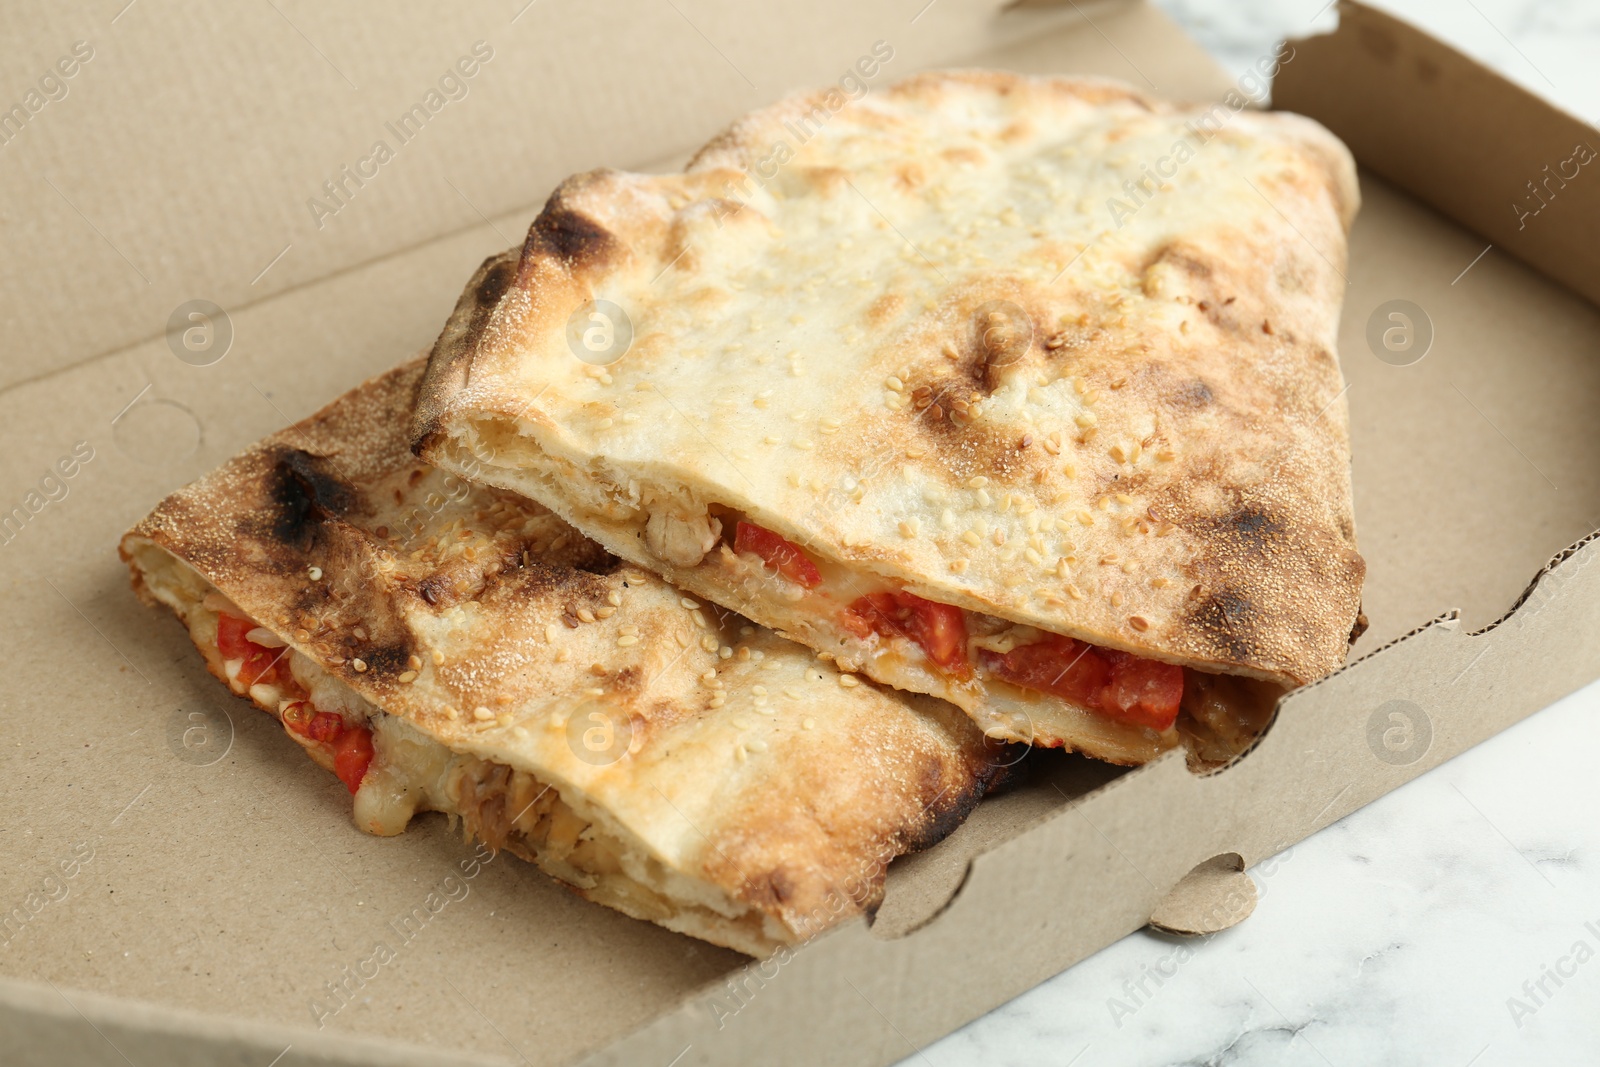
column 498, row 273
column 579, row 240
column 305, row 496
column 1256, row 530
column 1193, row 394
column 387, row 660
column 1227, row 616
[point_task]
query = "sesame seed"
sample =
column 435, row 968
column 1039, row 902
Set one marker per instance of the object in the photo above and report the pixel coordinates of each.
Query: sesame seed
column 614, row 598
column 414, row 662
column 408, row 676
column 1086, row 419
column 687, row 603
column 1129, row 566
column 519, row 732
column 759, row 690
column 482, row 714
column 849, row 681
column 971, row 537
column 1139, row 622
column 983, row 497
column 1085, row 517
column 725, row 652
column 551, row 631
column 1160, row 583
column 1116, row 598
column 627, row 641
column 1074, row 592
column 740, row 754
column 977, row 482
column 605, row 612
column 315, row 574
column 585, row 615
column 1033, row 557
column 895, row 383
column 708, row 642
column 359, row 665
column 791, row 692
column 909, row 528
column 959, row 566
column 1124, row 498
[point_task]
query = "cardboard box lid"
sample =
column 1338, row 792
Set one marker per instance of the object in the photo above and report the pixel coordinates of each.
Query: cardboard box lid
column 219, row 898
column 183, row 154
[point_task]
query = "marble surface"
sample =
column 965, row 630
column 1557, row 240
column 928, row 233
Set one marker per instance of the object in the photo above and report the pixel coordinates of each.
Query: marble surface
column 1402, row 933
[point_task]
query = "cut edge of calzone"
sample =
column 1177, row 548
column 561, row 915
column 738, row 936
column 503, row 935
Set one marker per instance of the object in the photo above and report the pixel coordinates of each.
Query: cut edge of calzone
column 452, row 648
column 1017, row 391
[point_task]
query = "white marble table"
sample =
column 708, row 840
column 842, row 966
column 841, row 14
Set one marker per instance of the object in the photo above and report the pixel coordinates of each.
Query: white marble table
column 1402, row 933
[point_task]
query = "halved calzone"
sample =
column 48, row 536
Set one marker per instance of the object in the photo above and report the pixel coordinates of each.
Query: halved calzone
column 1017, row 391
column 458, row 649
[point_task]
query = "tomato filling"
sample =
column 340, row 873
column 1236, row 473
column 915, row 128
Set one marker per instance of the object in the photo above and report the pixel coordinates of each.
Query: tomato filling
column 941, row 630
column 258, row 663
column 1123, row 686
column 352, row 745
column 788, row 558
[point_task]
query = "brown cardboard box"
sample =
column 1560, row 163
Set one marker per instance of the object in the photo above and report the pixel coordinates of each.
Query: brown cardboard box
column 190, row 888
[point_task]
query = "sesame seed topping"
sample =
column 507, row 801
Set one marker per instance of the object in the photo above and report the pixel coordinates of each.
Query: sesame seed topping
column 408, row 676
column 977, row 482
column 585, row 615
column 959, row 566
column 1074, row 592
column 627, row 641
column 359, row 665
column 605, row 612
column 1139, row 622
column 849, row 681
column 614, row 598
column 971, row 537
column 482, row 714
column 725, row 652
column 1116, row 598
column 315, row 574
column 414, row 662
column 687, row 603
column 708, row 642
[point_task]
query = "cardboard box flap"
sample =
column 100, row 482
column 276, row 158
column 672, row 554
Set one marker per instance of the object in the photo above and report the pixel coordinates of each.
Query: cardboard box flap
column 233, row 153
column 1420, row 113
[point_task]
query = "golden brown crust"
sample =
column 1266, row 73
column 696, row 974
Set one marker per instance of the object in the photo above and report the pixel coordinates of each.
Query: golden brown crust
column 431, row 598
column 1175, row 419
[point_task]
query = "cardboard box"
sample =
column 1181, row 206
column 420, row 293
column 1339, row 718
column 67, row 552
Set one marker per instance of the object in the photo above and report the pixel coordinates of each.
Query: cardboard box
column 184, row 887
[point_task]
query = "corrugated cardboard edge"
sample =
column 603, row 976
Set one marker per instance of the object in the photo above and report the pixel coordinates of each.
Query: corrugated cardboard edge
column 1414, row 110
column 58, row 1027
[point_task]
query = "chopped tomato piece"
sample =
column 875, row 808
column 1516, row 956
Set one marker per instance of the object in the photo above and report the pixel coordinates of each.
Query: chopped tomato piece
column 259, row 664
column 940, row 629
column 1142, row 691
column 325, row 726
column 352, row 757
column 1123, row 686
column 789, row 558
column 1057, row 665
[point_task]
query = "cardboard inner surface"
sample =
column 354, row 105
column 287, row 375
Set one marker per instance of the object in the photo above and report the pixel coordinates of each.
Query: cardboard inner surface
column 240, row 887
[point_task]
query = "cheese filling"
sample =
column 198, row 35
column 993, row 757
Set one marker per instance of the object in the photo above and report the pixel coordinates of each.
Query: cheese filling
column 407, row 771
